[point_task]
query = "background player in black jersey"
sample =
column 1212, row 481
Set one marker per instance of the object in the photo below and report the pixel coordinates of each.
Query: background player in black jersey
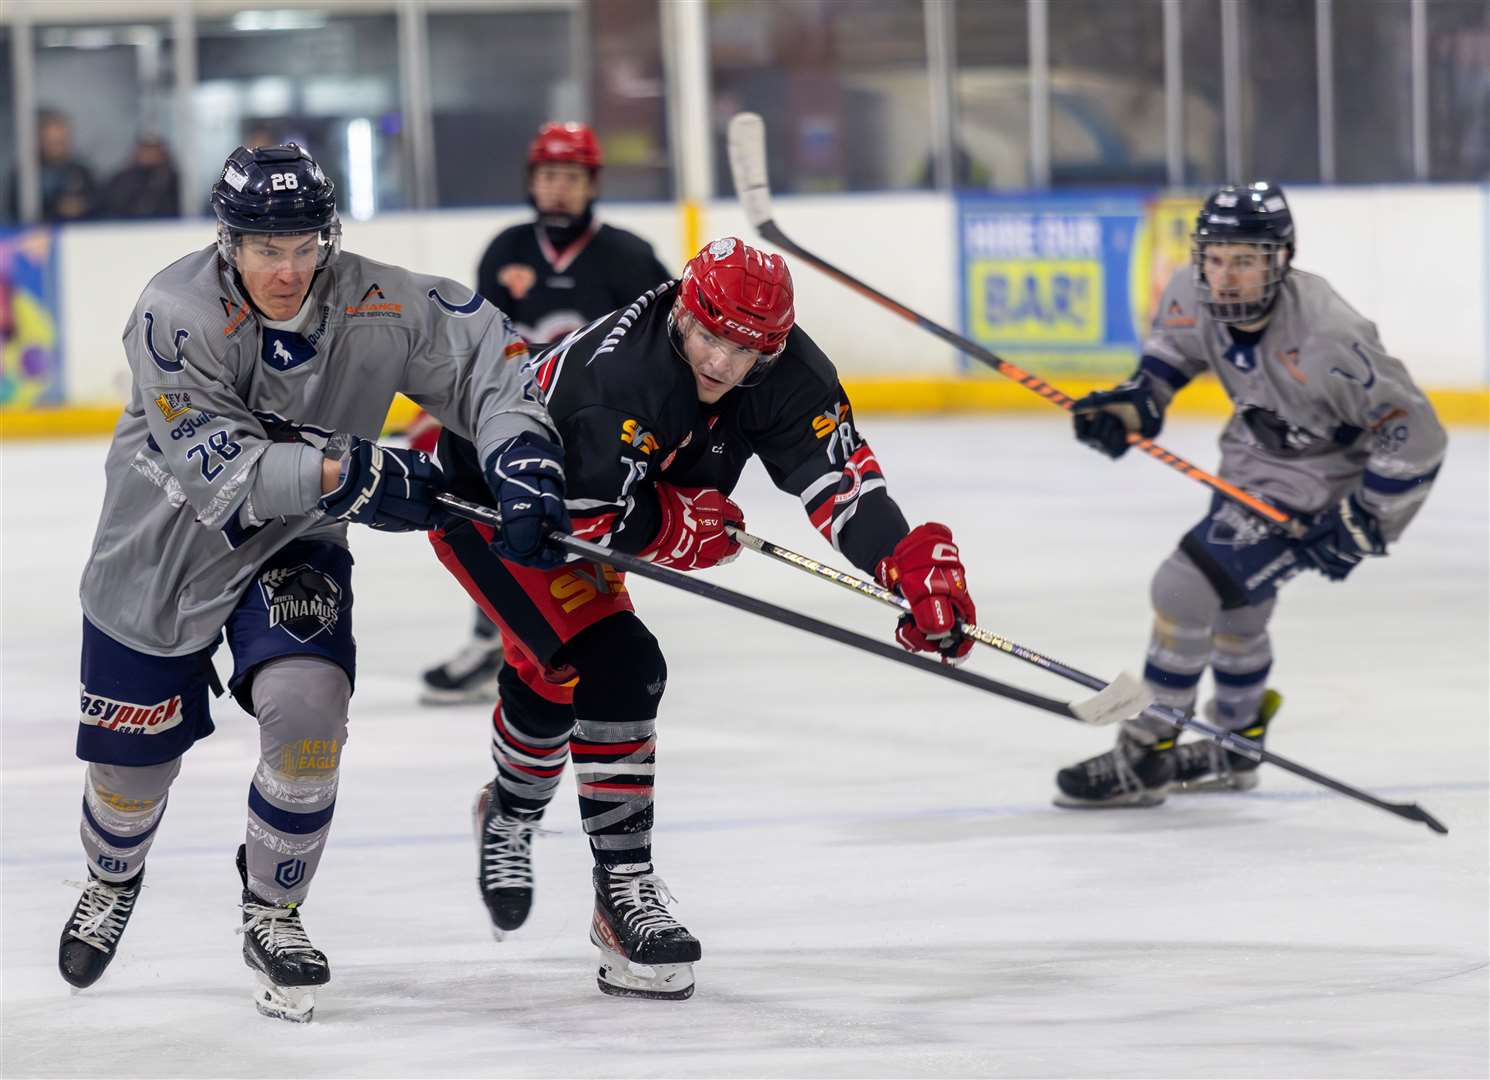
column 660, row 406
column 550, row 275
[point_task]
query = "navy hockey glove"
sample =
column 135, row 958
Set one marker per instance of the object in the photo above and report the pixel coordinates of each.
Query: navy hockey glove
column 526, row 474
column 1341, row 537
column 1105, row 418
column 387, row 488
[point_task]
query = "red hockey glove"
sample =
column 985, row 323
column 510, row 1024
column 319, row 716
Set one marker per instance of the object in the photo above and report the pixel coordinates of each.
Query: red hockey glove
column 927, row 570
column 693, row 535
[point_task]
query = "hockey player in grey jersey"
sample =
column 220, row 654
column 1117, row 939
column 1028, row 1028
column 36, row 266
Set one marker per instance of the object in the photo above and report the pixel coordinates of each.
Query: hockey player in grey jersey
column 1327, row 426
column 261, row 367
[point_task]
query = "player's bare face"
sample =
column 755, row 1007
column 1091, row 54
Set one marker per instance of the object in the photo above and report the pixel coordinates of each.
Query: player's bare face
column 718, row 365
column 1237, row 273
column 561, row 189
column 277, row 271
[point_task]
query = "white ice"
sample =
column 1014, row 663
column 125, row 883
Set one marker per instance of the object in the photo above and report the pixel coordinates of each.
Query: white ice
column 869, row 855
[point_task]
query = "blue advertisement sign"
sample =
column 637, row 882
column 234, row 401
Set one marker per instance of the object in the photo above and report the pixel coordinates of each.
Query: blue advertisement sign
column 1057, row 284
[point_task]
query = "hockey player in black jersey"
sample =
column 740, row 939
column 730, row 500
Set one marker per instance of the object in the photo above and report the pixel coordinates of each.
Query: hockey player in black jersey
column 660, row 406
column 550, row 275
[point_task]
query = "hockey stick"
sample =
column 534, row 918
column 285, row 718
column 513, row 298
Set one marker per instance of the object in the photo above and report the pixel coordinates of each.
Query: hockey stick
column 747, row 158
column 1098, row 709
column 1164, row 714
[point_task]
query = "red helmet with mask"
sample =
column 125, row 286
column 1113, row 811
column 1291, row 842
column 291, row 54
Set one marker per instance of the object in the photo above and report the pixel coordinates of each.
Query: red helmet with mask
column 741, row 294
column 565, row 144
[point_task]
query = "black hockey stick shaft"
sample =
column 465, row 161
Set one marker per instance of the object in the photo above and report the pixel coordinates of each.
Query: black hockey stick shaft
column 747, row 152
column 1174, row 717
column 631, row 564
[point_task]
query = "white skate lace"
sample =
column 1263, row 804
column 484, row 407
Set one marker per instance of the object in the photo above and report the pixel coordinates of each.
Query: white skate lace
column 642, row 901
column 102, row 913
column 278, row 930
column 1206, row 754
column 1114, row 763
column 507, row 853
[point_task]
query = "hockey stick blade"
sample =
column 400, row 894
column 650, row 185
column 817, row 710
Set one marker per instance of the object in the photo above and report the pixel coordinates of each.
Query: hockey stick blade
column 1125, row 696
column 747, row 164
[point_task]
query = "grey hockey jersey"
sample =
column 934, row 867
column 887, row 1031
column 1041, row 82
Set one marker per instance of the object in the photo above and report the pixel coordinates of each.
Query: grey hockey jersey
column 1320, row 407
column 216, row 460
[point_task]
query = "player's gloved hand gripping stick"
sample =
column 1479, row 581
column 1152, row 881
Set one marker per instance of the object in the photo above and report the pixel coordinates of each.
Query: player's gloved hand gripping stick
column 747, row 158
column 1107, row 707
column 1126, row 692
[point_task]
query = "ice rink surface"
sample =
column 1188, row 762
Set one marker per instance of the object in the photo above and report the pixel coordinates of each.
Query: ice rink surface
column 869, row 856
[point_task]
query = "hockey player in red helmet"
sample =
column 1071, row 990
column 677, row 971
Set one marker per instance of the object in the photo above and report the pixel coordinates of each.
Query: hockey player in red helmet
column 732, row 315
column 660, row 406
column 550, row 275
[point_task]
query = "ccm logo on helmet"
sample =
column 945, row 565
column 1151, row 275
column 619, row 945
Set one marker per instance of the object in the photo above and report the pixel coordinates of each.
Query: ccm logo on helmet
column 749, row 331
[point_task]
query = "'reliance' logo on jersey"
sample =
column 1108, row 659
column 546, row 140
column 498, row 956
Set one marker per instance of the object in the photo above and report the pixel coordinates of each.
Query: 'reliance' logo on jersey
column 1175, row 317
column 173, row 405
column 127, row 718
column 302, row 600
column 375, row 305
column 235, row 317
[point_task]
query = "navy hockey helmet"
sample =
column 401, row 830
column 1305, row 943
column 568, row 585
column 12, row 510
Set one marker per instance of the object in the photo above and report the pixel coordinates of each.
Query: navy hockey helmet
column 274, row 189
column 1255, row 215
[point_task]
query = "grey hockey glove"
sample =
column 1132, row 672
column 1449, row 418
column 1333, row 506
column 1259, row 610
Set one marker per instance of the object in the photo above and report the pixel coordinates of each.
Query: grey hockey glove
column 1105, row 418
column 526, row 474
column 387, row 488
column 1341, row 537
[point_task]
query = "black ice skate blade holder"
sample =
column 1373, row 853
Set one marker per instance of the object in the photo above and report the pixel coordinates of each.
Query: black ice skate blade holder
column 583, row 549
column 1127, row 695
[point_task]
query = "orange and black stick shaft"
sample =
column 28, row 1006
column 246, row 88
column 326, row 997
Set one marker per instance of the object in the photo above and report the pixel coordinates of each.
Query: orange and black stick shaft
column 772, row 232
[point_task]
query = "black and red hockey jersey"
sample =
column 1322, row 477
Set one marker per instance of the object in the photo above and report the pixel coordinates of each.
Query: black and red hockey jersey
column 548, row 291
column 627, row 409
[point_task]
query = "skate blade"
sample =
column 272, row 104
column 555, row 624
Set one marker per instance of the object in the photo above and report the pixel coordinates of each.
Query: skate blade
column 619, row 977
column 1132, row 800
column 458, row 697
column 296, row 1004
column 1243, row 781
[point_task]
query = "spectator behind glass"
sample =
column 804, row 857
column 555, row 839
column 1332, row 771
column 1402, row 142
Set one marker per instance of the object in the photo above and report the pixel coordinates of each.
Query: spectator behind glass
column 146, row 187
column 67, row 187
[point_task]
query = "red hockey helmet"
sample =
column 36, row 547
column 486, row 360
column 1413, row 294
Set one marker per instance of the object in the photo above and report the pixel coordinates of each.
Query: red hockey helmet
column 565, row 144
column 741, row 294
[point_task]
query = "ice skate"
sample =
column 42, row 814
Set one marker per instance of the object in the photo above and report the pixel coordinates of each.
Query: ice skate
column 97, row 923
column 504, row 862
column 1205, row 766
column 469, row 677
column 1133, row 773
column 644, row 951
column 287, row 968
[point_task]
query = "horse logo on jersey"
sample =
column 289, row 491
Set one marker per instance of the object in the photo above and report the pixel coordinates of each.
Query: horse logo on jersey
column 1242, row 357
column 517, row 279
column 285, row 350
column 166, row 365
column 302, row 600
